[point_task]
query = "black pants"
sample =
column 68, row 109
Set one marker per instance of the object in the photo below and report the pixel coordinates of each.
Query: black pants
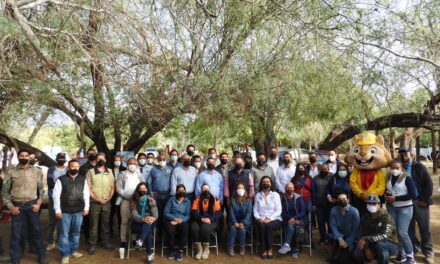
column 266, row 233
column 200, row 232
column 171, row 230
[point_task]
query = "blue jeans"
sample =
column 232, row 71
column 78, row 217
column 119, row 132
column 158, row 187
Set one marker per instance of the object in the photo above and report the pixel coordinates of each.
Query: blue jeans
column 232, row 234
column 402, row 217
column 290, row 233
column 69, row 228
column 383, row 249
column 32, row 220
column 145, row 233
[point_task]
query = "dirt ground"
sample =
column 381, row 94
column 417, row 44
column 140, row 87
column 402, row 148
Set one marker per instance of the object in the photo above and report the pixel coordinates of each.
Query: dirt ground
column 319, row 254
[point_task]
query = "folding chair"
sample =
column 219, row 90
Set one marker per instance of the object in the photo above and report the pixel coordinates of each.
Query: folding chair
column 130, row 240
column 274, row 244
column 214, row 235
column 309, row 234
column 166, row 247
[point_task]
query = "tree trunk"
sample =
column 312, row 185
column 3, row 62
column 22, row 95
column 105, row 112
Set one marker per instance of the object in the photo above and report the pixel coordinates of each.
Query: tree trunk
column 40, row 122
column 434, row 151
column 418, row 148
column 392, row 145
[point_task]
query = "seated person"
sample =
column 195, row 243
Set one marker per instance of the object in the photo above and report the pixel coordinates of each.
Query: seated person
column 378, row 237
column 176, row 213
column 293, row 214
column 144, row 214
column 240, row 219
column 344, row 226
column 205, row 214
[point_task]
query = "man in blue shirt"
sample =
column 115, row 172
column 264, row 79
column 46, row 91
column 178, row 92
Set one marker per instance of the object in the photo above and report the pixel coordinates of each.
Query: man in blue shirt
column 173, row 163
column 212, row 178
column 344, row 225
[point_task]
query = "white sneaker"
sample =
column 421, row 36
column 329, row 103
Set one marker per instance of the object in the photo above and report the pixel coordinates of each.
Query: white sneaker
column 139, row 243
column 121, row 253
column 284, row 249
column 150, row 257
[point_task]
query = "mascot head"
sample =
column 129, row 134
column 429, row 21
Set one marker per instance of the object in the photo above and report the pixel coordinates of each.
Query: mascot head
column 368, row 152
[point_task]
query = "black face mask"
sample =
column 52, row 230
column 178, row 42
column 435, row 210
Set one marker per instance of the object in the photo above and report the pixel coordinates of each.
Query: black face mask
column 23, row 161
column 186, row 163
column 180, row 195
column 266, row 186
column 189, row 152
column 238, row 166
column 210, row 166
column 100, row 163
column 342, row 203
column 261, row 163
column 205, row 195
column 142, row 193
column 404, row 160
column 224, row 161
column 248, row 165
column 32, row 162
column 92, row 157
column 61, row 162
column 272, row 155
column 312, row 160
column 302, row 171
column 286, row 161
column 72, row 172
column 324, row 173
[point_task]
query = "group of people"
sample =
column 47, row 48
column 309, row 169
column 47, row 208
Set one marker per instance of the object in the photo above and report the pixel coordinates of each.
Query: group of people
column 181, row 195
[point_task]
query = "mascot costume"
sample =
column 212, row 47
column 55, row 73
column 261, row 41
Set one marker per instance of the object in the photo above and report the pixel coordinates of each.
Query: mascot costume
column 370, row 159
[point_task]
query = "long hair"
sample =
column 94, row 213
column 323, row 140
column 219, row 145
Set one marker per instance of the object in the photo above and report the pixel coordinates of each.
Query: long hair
column 210, row 204
column 261, row 182
column 245, row 191
column 298, row 174
column 137, row 195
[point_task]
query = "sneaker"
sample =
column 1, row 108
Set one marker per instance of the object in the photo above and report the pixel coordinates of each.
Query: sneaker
column 410, row 260
column 231, row 252
column 121, row 253
column 295, row 253
column 171, row 255
column 51, row 246
column 65, row 260
column 242, row 251
column 108, row 247
column 284, row 249
column 179, row 255
column 76, row 255
column 429, row 259
column 150, row 257
column 401, row 258
column 92, row 250
column 139, row 243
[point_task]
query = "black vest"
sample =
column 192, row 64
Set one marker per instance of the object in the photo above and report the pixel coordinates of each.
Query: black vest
column 72, row 194
column 234, row 179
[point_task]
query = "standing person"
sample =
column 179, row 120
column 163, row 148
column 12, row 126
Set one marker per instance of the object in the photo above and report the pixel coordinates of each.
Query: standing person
column 71, row 202
column 3, row 257
column 293, row 215
column 22, row 193
column 378, row 236
column 212, row 153
column 90, row 164
column 320, row 202
column 101, row 183
column 144, row 214
column 117, row 169
column 211, row 178
column 399, row 196
column 344, row 223
column 196, row 161
column 150, row 159
column 261, row 169
column 313, row 167
column 422, row 215
column 304, row 186
column 186, row 175
column 205, row 214
column 223, row 167
column 240, row 219
column 52, row 175
column 285, row 172
column 176, row 216
column 273, row 161
column 174, row 157
column 125, row 186
column 237, row 175
column 143, row 167
column 191, row 150
column 332, row 162
column 338, row 183
column 267, row 213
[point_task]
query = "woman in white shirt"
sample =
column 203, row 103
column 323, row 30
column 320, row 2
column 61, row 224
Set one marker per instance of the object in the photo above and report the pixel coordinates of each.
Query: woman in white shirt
column 267, row 212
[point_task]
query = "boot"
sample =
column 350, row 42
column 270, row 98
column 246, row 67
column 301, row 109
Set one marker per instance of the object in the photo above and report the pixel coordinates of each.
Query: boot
column 199, row 250
column 205, row 254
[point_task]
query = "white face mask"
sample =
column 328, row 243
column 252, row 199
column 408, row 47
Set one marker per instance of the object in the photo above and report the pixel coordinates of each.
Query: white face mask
column 332, row 158
column 396, row 172
column 214, row 156
column 197, row 164
column 150, row 161
column 117, row 163
column 131, row 167
column 240, row 192
column 372, row 208
column 173, row 158
column 162, row 163
column 142, row 162
column 342, row 174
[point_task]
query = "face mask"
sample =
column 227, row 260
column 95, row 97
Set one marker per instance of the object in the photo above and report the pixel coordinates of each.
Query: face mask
column 224, row 161
column 61, row 162
column 197, row 164
column 186, row 163
column 404, row 159
column 312, row 160
column 240, row 192
column 23, row 161
column 372, row 208
column 396, row 172
column 32, row 162
column 273, row 155
column 142, row 193
column 248, row 165
column 162, row 163
column 332, row 158
column 92, row 157
column 342, row 203
column 142, row 162
column 173, row 158
column 73, row 172
column 131, row 167
column 210, row 166
column 100, row 163
column 180, row 195
column 342, row 174
column 289, row 192
column 266, row 186
column 214, row 156
column 286, row 161
column 324, row 173
column 117, row 163
column 150, row 161
column 261, row 163
column 190, row 152
column 238, row 166
column 205, row 195
column 302, row 171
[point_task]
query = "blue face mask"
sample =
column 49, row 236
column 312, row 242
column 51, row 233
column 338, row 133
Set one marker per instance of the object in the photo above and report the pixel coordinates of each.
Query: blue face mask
column 342, row 174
